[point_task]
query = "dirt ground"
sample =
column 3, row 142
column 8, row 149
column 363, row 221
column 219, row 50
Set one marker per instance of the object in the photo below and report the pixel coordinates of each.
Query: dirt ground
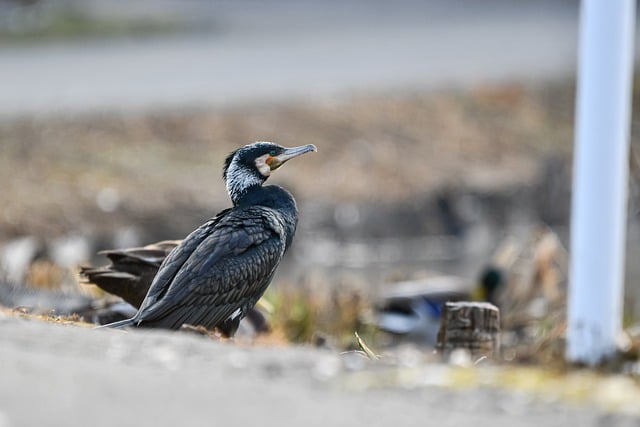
column 61, row 375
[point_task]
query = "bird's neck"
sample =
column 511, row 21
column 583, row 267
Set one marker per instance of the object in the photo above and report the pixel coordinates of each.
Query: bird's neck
column 248, row 195
column 276, row 198
column 272, row 196
column 240, row 189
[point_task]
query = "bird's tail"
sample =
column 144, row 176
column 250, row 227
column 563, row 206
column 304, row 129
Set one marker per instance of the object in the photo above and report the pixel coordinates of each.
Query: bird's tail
column 118, row 325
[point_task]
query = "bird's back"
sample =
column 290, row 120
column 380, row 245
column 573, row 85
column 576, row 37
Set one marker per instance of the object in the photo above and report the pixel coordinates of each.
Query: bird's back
column 218, row 272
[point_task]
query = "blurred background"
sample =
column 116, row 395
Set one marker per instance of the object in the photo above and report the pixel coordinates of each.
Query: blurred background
column 444, row 131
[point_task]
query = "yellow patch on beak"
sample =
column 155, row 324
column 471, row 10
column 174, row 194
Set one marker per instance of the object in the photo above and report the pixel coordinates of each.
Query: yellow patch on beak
column 273, row 162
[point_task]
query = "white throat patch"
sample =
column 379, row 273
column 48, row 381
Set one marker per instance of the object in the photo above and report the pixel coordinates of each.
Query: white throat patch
column 263, row 167
column 239, row 178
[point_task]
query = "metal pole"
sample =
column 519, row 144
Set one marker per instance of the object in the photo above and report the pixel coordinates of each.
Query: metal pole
column 598, row 222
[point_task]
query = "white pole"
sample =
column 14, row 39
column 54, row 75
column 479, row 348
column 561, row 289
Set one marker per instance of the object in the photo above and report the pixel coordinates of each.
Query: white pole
column 598, row 222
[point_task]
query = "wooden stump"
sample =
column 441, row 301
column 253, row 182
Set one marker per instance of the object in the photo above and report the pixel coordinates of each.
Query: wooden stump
column 474, row 326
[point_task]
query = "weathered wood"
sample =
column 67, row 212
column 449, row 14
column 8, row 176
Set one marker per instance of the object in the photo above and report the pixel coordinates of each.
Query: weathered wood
column 474, row 326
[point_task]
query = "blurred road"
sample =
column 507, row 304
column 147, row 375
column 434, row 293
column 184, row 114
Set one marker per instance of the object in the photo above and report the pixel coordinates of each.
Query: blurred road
column 269, row 51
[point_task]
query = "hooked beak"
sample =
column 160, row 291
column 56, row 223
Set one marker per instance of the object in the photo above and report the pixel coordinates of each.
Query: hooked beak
column 275, row 162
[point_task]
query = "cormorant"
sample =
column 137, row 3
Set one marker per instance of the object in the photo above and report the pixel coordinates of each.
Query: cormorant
column 129, row 276
column 218, row 273
column 131, row 271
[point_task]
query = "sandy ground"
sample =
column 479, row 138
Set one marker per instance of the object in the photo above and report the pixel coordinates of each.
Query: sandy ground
column 56, row 374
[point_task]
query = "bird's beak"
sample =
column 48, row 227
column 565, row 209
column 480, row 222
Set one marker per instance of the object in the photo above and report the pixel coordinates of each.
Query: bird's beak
column 275, row 162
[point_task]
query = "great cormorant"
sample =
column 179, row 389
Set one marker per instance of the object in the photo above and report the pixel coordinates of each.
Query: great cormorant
column 218, row 273
column 129, row 276
column 131, row 271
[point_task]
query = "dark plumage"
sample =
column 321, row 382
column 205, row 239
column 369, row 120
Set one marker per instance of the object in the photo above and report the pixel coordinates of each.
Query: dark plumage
column 129, row 276
column 131, row 271
column 218, row 273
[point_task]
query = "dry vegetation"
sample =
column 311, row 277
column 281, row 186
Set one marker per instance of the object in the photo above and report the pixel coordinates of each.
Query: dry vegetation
column 370, row 149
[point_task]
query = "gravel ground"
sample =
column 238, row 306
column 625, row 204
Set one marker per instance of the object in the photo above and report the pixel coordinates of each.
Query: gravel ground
column 54, row 374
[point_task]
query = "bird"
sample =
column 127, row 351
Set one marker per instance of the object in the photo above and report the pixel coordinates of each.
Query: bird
column 131, row 271
column 129, row 276
column 410, row 311
column 216, row 275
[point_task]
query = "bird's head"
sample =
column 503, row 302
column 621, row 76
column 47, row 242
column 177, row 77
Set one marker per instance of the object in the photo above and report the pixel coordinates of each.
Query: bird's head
column 491, row 283
column 252, row 164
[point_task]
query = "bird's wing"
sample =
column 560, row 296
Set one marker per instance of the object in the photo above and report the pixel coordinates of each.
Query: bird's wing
column 152, row 254
column 228, row 269
column 177, row 257
column 131, row 263
column 131, row 270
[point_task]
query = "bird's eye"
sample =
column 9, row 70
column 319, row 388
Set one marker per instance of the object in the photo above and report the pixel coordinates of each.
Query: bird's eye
column 272, row 153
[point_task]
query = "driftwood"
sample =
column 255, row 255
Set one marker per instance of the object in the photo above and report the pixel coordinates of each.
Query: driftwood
column 474, row 326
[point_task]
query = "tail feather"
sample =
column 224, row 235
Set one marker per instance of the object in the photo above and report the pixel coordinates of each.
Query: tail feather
column 118, row 325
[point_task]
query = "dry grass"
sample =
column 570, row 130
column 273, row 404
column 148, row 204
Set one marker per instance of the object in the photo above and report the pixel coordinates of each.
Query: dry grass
column 24, row 313
column 329, row 314
column 373, row 149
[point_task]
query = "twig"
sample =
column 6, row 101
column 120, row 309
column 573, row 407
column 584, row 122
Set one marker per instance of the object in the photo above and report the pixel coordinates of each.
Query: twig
column 367, row 350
